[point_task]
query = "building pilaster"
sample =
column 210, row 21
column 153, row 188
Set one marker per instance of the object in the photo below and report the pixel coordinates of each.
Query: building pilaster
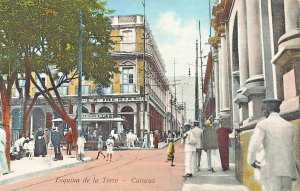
column 255, row 83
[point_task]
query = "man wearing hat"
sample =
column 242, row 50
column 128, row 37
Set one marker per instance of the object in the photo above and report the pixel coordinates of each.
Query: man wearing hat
column 56, row 139
column 109, row 147
column 198, row 132
column 69, row 140
column 275, row 136
column 100, row 147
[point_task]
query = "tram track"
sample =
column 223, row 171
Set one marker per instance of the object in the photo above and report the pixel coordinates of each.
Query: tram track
column 134, row 159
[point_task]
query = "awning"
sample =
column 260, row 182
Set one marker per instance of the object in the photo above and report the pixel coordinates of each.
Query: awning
column 117, row 119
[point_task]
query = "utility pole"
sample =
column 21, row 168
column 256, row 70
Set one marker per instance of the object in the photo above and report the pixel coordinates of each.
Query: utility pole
column 196, row 86
column 144, row 66
column 201, row 70
column 175, row 99
column 79, row 98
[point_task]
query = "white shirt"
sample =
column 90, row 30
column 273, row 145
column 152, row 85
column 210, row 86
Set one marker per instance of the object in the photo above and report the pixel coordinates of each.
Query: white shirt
column 2, row 140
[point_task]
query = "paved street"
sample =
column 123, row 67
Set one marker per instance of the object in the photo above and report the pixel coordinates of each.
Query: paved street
column 129, row 170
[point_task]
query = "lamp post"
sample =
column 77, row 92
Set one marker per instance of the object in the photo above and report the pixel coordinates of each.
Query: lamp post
column 79, row 98
column 21, row 82
column 144, row 66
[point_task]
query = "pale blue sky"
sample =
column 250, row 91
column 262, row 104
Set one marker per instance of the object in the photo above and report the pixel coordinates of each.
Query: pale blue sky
column 174, row 24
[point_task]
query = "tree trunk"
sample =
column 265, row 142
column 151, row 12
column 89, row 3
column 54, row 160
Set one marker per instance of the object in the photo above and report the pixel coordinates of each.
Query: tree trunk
column 6, row 122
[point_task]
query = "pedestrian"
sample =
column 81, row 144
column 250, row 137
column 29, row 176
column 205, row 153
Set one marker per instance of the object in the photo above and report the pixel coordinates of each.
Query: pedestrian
column 40, row 144
column 69, row 140
column 56, row 139
column 80, row 144
column 145, row 140
column 223, row 143
column 100, row 147
column 151, row 138
column 171, row 151
column 210, row 144
column 110, row 146
column 47, row 137
column 198, row 132
column 3, row 160
column 130, row 137
column 18, row 147
column 156, row 139
column 275, row 136
column 30, row 148
column 190, row 142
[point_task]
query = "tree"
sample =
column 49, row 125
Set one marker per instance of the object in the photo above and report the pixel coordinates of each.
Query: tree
column 45, row 36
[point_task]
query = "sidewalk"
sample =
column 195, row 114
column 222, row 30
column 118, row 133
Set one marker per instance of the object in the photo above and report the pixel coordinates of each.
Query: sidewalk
column 218, row 181
column 40, row 165
column 45, row 165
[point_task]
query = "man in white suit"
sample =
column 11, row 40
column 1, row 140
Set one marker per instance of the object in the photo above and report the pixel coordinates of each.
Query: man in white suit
column 190, row 143
column 198, row 132
column 275, row 136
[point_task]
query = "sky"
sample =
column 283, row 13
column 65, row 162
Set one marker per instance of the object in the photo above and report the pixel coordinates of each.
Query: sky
column 175, row 27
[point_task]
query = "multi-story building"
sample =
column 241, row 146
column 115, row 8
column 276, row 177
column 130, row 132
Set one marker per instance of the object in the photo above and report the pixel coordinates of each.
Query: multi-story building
column 256, row 51
column 123, row 105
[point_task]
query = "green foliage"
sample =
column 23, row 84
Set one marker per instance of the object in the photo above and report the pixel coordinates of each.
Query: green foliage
column 46, row 32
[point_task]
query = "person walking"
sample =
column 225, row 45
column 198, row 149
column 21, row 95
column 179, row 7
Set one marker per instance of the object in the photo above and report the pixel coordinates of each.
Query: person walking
column 80, row 144
column 30, row 148
column 145, row 140
column 100, row 147
column 69, row 140
column 223, row 143
column 171, row 151
column 3, row 160
column 156, row 139
column 198, row 132
column 40, row 144
column 275, row 136
column 190, row 143
column 56, row 139
column 47, row 137
column 151, row 138
column 110, row 146
column 210, row 144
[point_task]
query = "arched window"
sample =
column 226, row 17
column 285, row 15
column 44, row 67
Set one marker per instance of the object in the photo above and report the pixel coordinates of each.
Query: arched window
column 127, row 109
column 104, row 110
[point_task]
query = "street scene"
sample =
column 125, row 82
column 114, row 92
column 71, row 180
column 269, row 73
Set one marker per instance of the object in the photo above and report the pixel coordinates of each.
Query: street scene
column 150, row 95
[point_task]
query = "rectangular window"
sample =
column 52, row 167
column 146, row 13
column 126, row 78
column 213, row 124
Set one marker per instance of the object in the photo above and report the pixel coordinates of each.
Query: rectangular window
column 128, row 41
column 128, row 85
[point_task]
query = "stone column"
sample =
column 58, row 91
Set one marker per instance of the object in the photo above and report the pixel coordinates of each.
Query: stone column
column 254, row 38
column 224, row 72
column 255, row 83
column 225, row 79
column 291, row 11
column 242, row 100
column 216, row 76
column 220, row 79
column 242, row 43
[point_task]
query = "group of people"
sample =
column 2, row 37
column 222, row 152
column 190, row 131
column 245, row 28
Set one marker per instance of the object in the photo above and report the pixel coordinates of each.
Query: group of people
column 153, row 139
column 209, row 138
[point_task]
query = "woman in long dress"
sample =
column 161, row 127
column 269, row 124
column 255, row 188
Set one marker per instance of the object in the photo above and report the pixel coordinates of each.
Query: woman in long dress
column 40, row 144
